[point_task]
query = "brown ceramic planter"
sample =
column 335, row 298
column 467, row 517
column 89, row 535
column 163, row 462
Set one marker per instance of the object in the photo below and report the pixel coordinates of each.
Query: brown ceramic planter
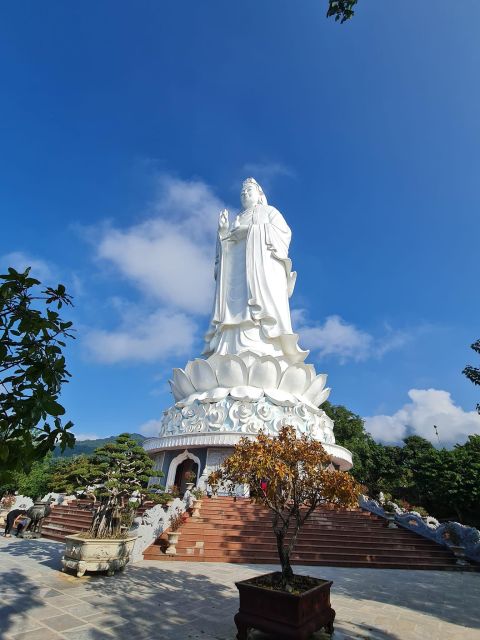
column 285, row 615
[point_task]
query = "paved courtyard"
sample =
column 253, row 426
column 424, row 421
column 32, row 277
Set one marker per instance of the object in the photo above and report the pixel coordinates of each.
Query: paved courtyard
column 177, row 600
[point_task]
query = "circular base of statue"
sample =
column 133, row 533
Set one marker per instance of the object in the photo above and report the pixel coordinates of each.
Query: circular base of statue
column 223, row 423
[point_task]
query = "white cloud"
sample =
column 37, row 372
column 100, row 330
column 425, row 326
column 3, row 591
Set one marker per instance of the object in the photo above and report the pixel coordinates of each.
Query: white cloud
column 428, row 407
column 86, row 436
column 340, row 339
column 170, row 256
column 337, row 338
column 40, row 269
column 142, row 337
column 266, row 172
column 151, row 428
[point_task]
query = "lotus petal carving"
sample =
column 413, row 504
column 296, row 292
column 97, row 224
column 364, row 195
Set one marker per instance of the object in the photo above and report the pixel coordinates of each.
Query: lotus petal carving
column 282, row 398
column 182, row 383
column 177, row 394
column 246, row 393
column 248, row 358
column 315, row 389
column 264, row 373
column 295, row 379
column 246, row 378
column 231, row 371
column 201, row 375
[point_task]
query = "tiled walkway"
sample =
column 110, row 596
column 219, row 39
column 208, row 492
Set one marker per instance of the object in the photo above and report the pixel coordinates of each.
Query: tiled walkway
column 176, row 600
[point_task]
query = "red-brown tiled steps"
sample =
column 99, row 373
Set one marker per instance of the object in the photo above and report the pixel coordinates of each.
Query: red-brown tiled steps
column 73, row 518
column 240, row 532
column 68, row 519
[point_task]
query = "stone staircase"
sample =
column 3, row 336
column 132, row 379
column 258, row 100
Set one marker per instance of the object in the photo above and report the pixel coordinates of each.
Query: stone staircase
column 74, row 517
column 64, row 520
column 240, row 532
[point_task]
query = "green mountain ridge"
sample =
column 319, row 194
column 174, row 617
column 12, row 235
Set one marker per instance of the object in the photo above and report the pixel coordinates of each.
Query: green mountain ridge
column 88, row 446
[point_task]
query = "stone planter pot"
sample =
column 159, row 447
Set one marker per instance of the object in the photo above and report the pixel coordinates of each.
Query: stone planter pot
column 189, row 486
column 96, row 554
column 196, row 509
column 391, row 520
column 286, row 616
column 172, row 542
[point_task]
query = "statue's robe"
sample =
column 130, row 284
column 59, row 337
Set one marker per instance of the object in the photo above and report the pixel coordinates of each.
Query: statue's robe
column 254, row 281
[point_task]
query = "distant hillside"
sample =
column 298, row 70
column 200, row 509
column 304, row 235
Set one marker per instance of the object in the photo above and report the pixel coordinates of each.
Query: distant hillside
column 88, row 446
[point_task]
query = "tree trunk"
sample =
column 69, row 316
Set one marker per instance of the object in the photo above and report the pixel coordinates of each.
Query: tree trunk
column 106, row 523
column 284, row 556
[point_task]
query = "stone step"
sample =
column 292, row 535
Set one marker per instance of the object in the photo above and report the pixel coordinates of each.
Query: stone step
column 318, row 552
column 230, row 531
column 386, row 536
column 327, row 531
column 214, row 542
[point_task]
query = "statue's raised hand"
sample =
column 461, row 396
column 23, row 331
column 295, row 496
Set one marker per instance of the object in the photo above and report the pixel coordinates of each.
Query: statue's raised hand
column 223, row 223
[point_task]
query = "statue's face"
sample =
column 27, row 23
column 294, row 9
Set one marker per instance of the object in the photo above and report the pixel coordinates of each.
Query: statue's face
column 249, row 196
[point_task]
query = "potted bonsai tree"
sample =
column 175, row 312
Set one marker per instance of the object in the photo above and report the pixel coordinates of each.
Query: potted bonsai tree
column 190, row 477
column 176, row 520
column 390, row 514
column 292, row 476
column 116, row 476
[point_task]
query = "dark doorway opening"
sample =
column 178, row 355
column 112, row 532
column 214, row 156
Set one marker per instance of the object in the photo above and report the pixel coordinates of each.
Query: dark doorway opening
column 182, row 469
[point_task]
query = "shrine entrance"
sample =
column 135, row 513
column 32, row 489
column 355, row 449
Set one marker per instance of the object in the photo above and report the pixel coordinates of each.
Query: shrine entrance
column 186, row 466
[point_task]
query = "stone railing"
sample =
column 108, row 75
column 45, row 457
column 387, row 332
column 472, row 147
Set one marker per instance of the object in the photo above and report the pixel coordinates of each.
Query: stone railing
column 429, row 527
column 153, row 523
column 22, row 502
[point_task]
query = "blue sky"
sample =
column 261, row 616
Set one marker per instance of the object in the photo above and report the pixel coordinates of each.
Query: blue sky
column 124, row 127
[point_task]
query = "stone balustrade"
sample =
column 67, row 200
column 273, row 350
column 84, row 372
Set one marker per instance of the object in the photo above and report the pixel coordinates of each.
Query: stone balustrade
column 428, row 527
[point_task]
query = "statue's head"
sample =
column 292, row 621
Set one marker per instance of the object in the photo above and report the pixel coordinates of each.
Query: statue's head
column 251, row 194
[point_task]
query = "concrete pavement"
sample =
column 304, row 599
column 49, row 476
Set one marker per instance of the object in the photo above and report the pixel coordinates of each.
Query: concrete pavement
column 177, row 600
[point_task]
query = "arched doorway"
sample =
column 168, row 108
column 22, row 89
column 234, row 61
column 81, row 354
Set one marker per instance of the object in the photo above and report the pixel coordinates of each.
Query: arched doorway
column 185, row 461
column 184, row 467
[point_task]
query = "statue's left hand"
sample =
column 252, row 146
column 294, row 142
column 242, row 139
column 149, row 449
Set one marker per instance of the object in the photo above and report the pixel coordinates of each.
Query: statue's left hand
column 223, row 223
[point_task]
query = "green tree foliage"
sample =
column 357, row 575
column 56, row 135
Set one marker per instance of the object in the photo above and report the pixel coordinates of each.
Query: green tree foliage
column 350, row 433
column 87, row 447
column 70, row 474
column 473, row 373
column 36, row 483
column 341, row 10
column 32, row 371
column 119, row 471
column 467, row 465
column 445, row 482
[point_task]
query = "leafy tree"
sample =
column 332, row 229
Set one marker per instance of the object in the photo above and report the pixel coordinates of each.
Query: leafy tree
column 341, row 10
column 36, row 483
column 350, row 433
column 70, row 474
column 292, row 477
column 420, row 462
column 32, row 371
column 119, row 472
column 466, row 460
column 473, row 373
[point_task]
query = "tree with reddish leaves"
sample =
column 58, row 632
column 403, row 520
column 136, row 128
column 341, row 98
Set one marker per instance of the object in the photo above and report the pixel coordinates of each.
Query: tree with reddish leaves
column 291, row 476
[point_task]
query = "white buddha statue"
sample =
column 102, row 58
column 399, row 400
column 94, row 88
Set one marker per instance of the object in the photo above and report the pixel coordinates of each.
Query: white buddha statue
column 254, row 281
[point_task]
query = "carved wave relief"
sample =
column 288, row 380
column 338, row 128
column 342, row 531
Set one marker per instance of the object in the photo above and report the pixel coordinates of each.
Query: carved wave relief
column 246, row 417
